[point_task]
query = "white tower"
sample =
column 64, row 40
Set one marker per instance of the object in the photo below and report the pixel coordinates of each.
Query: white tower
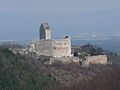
column 45, row 31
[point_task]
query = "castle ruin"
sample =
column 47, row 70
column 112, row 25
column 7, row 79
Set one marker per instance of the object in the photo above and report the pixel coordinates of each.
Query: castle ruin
column 48, row 46
column 56, row 49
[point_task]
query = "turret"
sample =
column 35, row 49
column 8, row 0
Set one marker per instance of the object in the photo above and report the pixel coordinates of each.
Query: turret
column 45, row 31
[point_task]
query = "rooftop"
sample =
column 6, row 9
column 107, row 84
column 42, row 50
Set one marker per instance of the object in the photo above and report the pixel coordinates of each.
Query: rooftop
column 45, row 25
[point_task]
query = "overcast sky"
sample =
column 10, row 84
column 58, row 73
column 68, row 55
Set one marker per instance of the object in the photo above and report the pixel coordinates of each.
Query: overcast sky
column 20, row 19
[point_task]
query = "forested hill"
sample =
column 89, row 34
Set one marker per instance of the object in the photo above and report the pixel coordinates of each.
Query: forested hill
column 21, row 73
column 15, row 74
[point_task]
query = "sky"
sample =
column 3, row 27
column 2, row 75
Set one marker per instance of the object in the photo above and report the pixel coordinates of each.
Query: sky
column 21, row 19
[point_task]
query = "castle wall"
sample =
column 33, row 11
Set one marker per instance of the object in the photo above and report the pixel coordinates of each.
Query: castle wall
column 55, row 48
column 99, row 59
column 43, row 47
column 61, row 47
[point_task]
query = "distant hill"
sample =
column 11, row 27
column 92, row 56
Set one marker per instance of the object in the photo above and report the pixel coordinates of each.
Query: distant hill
column 108, row 44
column 24, row 43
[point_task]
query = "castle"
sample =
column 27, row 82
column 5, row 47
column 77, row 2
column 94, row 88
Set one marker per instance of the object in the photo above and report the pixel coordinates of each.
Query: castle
column 56, row 49
column 48, row 46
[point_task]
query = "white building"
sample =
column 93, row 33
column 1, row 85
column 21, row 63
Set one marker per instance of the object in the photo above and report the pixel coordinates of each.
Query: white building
column 50, row 47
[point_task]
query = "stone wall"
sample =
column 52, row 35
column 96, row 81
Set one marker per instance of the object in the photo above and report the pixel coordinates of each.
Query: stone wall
column 99, row 59
column 43, row 47
column 55, row 48
column 61, row 48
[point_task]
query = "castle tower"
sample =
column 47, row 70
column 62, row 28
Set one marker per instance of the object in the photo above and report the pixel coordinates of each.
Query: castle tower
column 45, row 31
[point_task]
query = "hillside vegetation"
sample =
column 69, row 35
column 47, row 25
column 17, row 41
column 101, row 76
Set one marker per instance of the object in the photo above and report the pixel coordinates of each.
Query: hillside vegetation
column 25, row 73
column 15, row 74
column 107, row 80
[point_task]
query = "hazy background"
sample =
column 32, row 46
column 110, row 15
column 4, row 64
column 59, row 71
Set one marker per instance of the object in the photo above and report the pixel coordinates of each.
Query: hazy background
column 20, row 19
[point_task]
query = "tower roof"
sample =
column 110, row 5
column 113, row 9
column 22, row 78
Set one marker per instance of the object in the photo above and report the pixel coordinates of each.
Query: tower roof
column 45, row 25
column 66, row 37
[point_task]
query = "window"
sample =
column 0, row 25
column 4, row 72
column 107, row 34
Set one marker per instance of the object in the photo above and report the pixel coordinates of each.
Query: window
column 64, row 43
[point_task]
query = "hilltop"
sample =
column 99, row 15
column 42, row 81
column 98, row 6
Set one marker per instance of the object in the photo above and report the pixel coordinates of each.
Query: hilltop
column 18, row 72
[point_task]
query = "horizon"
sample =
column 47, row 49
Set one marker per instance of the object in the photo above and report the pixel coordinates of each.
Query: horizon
column 20, row 20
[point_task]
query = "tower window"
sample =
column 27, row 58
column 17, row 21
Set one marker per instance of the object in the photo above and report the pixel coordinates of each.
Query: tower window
column 47, row 28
